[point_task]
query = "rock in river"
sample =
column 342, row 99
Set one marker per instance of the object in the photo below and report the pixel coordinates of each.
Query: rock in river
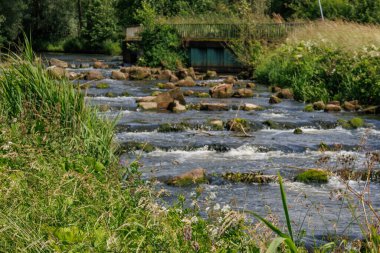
column 195, row 176
column 222, row 91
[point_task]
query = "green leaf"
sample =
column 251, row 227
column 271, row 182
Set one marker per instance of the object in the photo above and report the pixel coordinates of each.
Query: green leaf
column 270, row 225
column 285, row 206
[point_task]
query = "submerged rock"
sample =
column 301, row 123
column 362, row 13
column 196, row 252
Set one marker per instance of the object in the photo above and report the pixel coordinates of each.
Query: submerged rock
column 249, row 177
column 308, row 108
column 213, row 107
column 222, row 91
column 195, row 176
column 298, row 131
column 313, row 176
column 102, row 86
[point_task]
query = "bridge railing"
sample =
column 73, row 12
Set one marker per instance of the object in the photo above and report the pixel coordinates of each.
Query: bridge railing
column 224, row 31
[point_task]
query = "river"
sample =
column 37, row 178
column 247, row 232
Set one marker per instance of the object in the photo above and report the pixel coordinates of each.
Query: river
column 315, row 208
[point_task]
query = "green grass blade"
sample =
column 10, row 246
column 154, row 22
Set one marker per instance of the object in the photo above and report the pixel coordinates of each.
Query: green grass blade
column 270, row 225
column 285, row 206
column 275, row 244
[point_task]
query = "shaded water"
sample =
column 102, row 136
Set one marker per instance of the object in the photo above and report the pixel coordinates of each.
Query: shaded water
column 312, row 207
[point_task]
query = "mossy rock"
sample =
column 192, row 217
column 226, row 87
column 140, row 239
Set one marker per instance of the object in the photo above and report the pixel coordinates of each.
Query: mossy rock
column 249, row 177
column 216, row 125
column 110, row 95
column 353, row 123
column 125, row 94
column 298, row 131
column 238, row 125
column 167, row 127
column 313, row 176
column 309, row 108
column 133, row 146
column 102, row 86
column 156, row 93
column 196, row 176
column 356, row 122
column 271, row 124
column 202, row 95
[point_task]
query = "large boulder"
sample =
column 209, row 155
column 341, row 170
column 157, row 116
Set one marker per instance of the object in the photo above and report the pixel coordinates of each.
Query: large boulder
column 165, row 99
column 195, row 176
column 222, row 91
column 243, row 93
column 148, row 105
column 333, row 108
column 137, row 73
column 187, row 82
column 146, row 99
column 165, row 74
column 213, row 107
column 117, row 75
column 94, row 75
column 57, row 72
column 58, row 63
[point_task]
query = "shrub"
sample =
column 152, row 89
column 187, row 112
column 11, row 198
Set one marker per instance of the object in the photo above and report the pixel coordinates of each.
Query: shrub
column 73, row 45
column 112, row 47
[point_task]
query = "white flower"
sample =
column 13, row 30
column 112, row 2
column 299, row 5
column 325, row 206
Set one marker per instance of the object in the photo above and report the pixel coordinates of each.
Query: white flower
column 217, row 207
column 192, row 194
column 194, row 219
column 226, row 208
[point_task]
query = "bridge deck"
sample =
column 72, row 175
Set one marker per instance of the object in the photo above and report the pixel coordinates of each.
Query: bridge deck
column 223, row 32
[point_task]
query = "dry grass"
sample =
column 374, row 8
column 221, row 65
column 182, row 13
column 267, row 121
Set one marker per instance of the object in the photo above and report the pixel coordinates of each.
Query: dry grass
column 338, row 34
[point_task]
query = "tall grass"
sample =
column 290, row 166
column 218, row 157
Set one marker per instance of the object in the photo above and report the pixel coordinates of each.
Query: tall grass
column 29, row 93
column 348, row 36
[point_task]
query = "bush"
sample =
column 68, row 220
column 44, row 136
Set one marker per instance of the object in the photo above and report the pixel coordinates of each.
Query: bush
column 320, row 72
column 73, row 45
column 112, row 48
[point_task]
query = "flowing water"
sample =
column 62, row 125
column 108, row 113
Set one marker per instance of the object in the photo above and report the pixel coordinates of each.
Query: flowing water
column 313, row 207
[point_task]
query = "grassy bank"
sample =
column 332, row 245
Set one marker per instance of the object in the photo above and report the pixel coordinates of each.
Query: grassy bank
column 327, row 61
column 61, row 187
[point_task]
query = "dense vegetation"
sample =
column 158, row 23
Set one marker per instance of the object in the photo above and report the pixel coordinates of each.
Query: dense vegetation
column 99, row 24
column 327, row 61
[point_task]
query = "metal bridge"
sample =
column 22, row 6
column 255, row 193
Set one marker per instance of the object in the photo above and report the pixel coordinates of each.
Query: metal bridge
column 207, row 44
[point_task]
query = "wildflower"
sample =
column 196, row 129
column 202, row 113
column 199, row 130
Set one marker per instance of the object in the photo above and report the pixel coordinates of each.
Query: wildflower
column 217, row 207
column 192, row 194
